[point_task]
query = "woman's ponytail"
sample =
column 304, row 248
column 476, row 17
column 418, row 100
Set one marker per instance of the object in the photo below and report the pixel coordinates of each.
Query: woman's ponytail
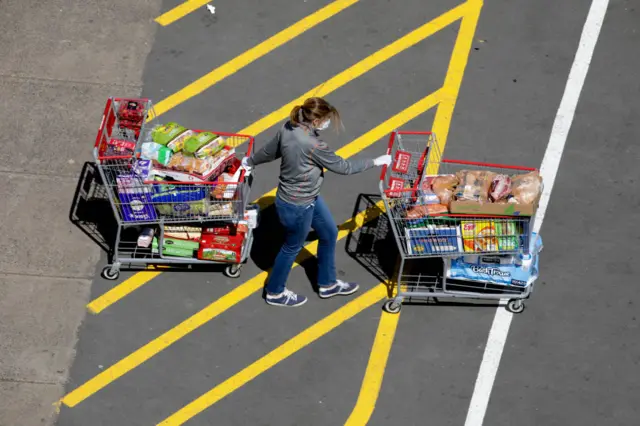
column 295, row 114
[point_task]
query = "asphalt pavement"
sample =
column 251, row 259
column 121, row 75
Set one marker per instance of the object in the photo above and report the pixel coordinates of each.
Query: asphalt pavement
column 570, row 358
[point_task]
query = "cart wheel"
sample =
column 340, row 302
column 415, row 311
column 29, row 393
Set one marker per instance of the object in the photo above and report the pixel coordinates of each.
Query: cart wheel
column 107, row 274
column 232, row 271
column 392, row 307
column 515, row 306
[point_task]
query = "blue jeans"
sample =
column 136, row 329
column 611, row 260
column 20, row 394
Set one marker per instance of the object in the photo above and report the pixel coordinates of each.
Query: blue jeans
column 297, row 222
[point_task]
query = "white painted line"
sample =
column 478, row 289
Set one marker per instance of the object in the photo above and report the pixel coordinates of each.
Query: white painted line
column 548, row 170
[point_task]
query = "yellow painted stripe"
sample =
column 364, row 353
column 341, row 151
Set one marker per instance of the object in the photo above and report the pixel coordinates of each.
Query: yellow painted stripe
column 180, row 11
column 256, row 52
column 121, row 290
column 200, row 318
column 375, row 370
column 379, row 356
column 282, row 352
column 362, row 67
column 455, row 73
column 373, row 135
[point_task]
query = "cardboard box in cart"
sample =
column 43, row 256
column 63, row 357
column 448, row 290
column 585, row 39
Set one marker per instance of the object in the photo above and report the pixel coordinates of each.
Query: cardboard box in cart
column 493, row 209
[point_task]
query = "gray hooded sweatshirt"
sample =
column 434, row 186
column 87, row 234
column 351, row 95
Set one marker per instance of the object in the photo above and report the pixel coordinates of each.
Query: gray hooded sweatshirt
column 304, row 156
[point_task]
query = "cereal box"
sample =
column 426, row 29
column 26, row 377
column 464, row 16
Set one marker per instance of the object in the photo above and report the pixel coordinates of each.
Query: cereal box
column 479, row 236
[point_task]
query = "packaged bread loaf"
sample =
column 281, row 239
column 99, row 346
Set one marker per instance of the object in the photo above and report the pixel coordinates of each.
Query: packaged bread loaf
column 443, row 186
column 474, row 185
column 526, row 188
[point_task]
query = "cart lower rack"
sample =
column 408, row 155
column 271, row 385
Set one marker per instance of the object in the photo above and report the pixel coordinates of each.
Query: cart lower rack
column 454, row 239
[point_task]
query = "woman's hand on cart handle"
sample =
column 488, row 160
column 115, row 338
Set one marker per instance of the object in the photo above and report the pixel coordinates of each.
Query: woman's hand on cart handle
column 245, row 164
column 383, row 160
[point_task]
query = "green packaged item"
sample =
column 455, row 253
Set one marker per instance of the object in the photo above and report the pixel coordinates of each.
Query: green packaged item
column 197, row 141
column 181, row 244
column 212, row 148
column 177, row 144
column 507, row 235
column 172, row 250
column 163, row 134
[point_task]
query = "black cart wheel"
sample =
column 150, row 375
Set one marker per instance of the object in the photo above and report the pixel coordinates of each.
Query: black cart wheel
column 233, row 271
column 392, row 307
column 107, row 274
column 515, row 306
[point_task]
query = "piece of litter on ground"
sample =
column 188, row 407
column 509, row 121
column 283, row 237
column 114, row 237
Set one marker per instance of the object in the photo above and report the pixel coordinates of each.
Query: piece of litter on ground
column 482, row 41
column 71, row 161
column 212, row 9
column 101, row 367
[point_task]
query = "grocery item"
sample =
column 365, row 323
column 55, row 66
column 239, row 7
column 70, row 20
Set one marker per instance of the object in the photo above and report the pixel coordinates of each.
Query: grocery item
column 177, row 144
column 212, row 148
column 479, row 236
column 143, row 169
column 507, row 235
column 526, row 188
column 443, row 186
column 433, row 239
column 163, row 134
column 190, row 233
column 423, row 210
column 145, row 237
column 219, row 254
column 474, row 185
column 197, row 141
column 181, row 194
column 221, row 209
column 135, row 198
column 171, row 249
column 428, row 197
column 192, row 165
column 251, row 216
column 500, row 188
column 498, row 269
column 223, row 246
column 131, row 111
column 190, row 208
column 181, row 244
column 155, row 151
column 224, row 190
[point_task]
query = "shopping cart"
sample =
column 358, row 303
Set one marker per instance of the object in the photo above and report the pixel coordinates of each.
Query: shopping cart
column 161, row 199
column 483, row 256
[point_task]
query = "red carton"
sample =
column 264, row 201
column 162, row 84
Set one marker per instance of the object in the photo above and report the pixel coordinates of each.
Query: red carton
column 221, row 248
column 401, row 162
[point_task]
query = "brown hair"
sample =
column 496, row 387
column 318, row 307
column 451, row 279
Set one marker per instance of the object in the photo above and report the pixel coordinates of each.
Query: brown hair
column 314, row 109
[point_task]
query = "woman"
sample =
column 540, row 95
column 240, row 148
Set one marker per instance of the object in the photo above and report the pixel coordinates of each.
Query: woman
column 298, row 203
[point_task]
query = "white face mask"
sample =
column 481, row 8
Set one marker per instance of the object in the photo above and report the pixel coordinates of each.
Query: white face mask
column 324, row 125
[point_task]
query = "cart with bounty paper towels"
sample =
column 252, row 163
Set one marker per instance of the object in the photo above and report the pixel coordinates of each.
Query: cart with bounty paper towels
column 179, row 196
column 476, row 218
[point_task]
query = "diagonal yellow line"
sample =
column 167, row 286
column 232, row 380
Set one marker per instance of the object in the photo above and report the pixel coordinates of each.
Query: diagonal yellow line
column 120, row 291
column 360, row 68
column 256, row 52
column 180, row 11
column 282, row 352
column 375, row 370
column 379, row 355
